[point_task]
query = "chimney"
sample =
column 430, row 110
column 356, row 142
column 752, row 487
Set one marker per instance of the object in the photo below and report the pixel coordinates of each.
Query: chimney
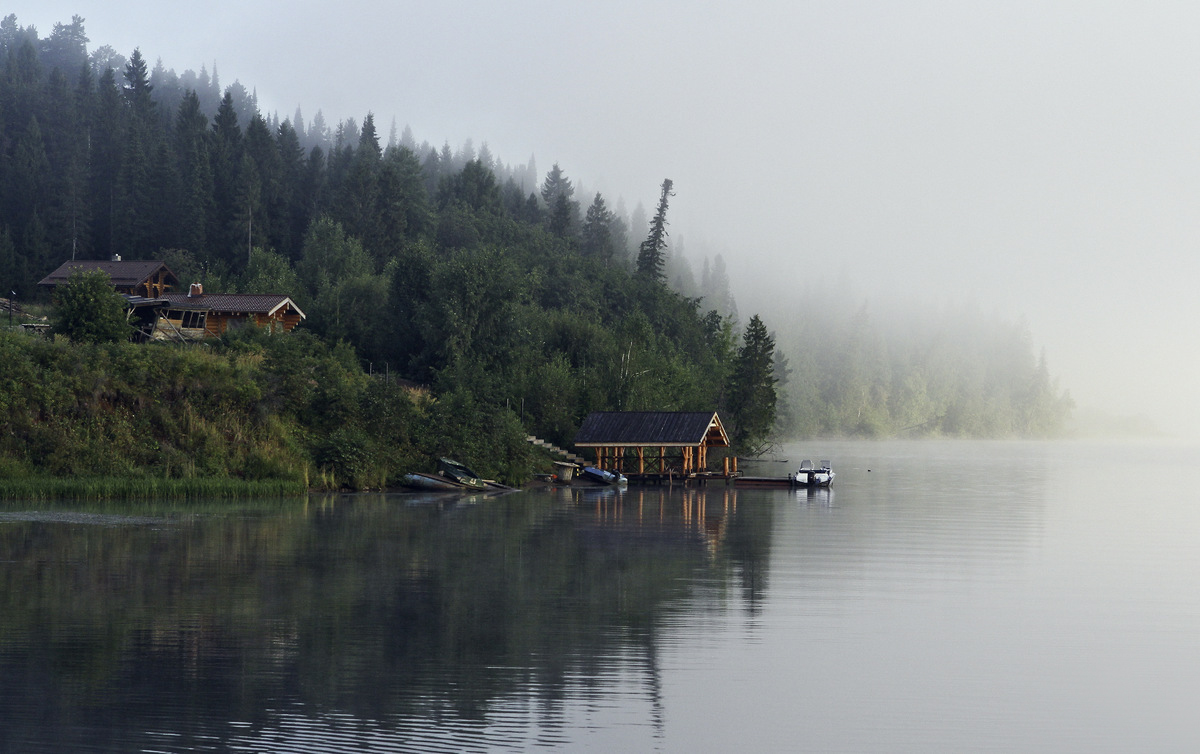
column 196, row 289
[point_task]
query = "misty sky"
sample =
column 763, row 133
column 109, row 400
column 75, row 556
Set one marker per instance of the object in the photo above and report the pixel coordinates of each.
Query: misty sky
column 1041, row 159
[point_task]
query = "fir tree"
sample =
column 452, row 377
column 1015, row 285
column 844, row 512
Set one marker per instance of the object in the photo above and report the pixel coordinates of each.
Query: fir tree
column 652, row 253
column 751, row 394
column 597, row 231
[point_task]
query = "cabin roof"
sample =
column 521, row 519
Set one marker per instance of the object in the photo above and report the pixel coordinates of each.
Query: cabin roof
column 123, row 274
column 234, row 303
column 651, row 429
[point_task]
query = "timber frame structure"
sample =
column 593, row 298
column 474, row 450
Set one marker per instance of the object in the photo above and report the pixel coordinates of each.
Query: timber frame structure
column 144, row 278
column 655, row 445
column 199, row 315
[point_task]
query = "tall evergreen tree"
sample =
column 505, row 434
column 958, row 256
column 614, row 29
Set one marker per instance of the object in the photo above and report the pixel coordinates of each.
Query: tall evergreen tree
column 133, row 226
column 359, row 195
column 403, row 210
column 751, row 393
column 263, row 150
column 66, row 47
column 597, row 231
column 225, row 237
column 138, row 87
column 651, row 254
column 29, row 181
column 288, row 227
column 562, row 212
column 556, row 184
column 107, row 140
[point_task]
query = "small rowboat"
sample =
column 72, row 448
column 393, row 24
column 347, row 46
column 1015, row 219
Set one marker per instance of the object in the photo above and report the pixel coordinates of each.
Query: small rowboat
column 433, row 483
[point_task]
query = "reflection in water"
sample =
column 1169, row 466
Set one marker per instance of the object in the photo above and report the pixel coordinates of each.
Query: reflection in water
column 386, row 620
column 942, row 597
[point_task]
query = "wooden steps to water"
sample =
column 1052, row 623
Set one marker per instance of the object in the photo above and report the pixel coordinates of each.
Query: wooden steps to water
column 554, row 449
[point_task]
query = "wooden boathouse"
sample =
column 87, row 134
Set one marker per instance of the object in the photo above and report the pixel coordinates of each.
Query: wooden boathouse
column 655, row 446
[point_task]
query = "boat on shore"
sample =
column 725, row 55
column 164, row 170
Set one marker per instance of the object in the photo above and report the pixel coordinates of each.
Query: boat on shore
column 451, row 469
column 433, row 483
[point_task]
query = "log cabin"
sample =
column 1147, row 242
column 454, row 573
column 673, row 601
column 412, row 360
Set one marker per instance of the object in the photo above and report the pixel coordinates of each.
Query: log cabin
column 196, row 315
column 140, row 277
column 159, row 313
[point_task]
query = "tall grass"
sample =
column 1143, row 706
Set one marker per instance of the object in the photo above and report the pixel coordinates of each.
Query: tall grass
column 141, row 488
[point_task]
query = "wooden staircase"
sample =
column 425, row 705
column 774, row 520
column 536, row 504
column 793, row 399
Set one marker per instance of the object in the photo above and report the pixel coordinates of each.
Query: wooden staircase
column 555, row 450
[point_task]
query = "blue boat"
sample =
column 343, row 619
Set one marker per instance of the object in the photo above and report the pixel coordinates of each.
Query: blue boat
column 602, row 476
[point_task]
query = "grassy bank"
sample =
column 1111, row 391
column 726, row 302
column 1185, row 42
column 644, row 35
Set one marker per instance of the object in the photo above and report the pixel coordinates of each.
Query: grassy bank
column 125, row 488
column 252, row 415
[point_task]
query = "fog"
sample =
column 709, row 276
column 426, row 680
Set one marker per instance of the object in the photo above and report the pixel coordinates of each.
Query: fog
column 1038, row 159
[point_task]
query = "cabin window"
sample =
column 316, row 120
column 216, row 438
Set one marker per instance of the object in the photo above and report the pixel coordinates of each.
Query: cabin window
column 193, row 319
column 187, row 319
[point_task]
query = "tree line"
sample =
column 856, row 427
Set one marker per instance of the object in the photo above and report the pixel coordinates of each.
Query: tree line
column 514, row 305
column 497, row 288
column 903, row 370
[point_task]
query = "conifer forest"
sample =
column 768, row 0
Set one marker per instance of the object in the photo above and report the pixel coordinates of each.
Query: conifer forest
column 455, row 302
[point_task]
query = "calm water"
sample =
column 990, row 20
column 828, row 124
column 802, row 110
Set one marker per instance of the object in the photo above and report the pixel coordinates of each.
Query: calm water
column 982, row 597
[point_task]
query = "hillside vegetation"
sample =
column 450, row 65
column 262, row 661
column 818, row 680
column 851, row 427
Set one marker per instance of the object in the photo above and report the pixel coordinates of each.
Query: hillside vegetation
column 519, row 306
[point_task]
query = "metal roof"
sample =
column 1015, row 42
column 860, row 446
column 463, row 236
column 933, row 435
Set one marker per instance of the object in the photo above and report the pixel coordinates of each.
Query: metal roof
column 133, row 302
column 651, row 428
column 123, row 274
column 234, row 303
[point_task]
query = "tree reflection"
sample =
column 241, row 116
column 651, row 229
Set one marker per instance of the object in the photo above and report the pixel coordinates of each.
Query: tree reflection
column 380, row 607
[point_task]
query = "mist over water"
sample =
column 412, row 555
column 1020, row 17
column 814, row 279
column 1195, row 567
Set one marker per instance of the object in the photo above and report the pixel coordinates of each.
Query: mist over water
column 942, row 597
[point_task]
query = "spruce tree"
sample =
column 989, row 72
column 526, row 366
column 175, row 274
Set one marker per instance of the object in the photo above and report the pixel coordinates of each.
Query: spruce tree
column 597, row 231
column 652, row 253
column 751, row 394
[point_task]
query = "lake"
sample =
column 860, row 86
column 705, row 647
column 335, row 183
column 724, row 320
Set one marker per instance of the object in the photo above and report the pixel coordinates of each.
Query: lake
column 942, row 597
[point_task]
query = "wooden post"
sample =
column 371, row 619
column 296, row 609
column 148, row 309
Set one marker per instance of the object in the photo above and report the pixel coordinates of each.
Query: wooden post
column 662, row 460
column 726, row 465
column 641, row 460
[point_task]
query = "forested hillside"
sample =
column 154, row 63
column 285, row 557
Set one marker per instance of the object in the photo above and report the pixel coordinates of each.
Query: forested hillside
column 911, row 370
column 498, row 288
column 449, row 273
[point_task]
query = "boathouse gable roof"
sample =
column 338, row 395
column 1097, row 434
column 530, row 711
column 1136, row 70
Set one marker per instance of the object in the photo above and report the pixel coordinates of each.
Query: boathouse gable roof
column 652, row 429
